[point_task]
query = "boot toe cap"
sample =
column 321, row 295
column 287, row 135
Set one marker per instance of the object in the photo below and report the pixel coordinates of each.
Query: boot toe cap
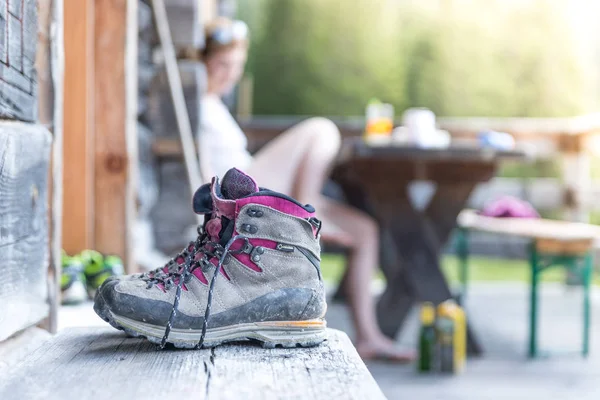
column 132, row 300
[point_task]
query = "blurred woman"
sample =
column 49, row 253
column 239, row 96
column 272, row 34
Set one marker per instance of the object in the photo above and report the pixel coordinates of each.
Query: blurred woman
column 296, row 163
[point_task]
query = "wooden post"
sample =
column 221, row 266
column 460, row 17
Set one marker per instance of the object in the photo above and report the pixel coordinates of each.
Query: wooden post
column 45, row 117
column 49, row 65
column 57, row 64
column 112, row 105
column 131, row 123
column 78, row 180
column 195, row 170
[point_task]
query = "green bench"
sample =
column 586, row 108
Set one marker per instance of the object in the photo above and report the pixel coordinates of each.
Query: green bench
column 554, row 244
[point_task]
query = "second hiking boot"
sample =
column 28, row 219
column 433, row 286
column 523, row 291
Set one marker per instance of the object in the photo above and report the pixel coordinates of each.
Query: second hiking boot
column 72, row 280
column 98, row 268
column 252, row 274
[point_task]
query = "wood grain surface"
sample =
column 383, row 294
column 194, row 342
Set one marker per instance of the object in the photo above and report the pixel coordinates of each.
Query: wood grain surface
column 24, row 247
column 86, row 363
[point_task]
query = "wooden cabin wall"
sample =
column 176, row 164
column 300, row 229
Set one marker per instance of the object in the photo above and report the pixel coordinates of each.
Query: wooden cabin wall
column 27, row 118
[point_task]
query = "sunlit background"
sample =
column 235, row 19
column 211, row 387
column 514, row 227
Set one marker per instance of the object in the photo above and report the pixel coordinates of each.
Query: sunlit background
column 517, row 58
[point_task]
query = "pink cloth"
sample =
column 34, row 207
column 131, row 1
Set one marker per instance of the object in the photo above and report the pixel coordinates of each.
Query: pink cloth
column 509, row 207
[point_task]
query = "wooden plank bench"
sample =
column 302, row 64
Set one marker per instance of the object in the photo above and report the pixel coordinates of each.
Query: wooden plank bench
column 86, row 363
column 554, row 243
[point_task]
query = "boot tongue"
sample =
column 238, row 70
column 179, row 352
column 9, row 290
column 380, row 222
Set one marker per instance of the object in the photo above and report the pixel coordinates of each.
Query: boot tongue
column 236, row 184
column 218, row 201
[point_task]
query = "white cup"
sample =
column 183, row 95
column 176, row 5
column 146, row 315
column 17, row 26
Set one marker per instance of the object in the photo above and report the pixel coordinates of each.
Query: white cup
column 420, row 126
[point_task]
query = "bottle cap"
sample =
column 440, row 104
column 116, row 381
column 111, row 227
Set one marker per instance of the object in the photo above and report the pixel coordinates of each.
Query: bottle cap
column 447, row 308
column 427, row 313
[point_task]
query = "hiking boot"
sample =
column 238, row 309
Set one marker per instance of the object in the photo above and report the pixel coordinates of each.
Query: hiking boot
column 252, row 274
column 72, row 280
column 98, row 268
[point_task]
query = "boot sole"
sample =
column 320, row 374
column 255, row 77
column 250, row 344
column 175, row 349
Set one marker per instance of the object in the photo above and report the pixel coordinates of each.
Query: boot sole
column 269, row 334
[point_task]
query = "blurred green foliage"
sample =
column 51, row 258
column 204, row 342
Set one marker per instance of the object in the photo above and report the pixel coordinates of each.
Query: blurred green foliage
column 484, row 269
column 457, row 57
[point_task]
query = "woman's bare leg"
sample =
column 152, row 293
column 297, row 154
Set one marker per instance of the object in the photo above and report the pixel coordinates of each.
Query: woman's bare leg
column 362, row 264
column 297, row 163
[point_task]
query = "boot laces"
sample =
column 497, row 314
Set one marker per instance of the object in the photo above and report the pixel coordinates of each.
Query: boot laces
column 183, row 273
column 173, row 265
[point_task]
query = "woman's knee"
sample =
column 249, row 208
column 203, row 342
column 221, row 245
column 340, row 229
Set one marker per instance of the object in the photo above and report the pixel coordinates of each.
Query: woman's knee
column 370, row 229
column 366, row 229
column 325, row 132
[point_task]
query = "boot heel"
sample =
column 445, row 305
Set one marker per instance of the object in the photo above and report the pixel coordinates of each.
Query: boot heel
column 291, row 333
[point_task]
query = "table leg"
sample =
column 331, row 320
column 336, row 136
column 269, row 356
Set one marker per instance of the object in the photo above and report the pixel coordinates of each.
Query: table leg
column 533, row 318
column 415, row 240
column 587, row 277
column 411, row 243
column 443, row 209
column 447, row 202
column 398, row 299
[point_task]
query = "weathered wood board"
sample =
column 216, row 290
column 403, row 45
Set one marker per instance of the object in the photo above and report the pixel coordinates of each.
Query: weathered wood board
column 85, row 363
column 19, row 346
column 111, row 156
column 24, row 163
column 78, row 171
column 18, row 39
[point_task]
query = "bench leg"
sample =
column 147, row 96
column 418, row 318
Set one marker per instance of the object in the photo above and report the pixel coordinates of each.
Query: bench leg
column 587, row 277
column 533, row 302
column 462, row 251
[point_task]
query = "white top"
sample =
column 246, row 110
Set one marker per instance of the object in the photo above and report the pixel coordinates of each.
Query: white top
column 222, row 137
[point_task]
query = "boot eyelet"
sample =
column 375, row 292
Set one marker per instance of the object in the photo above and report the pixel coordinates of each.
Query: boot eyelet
column 255, row 213
column 250, row 228
column 260, row 250
column 256, row 258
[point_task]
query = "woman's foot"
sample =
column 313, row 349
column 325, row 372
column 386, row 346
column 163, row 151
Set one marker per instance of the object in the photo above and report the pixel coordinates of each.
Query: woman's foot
column 384, row 349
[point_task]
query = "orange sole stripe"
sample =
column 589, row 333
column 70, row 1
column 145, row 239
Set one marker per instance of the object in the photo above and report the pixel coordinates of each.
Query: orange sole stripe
column 297, row 324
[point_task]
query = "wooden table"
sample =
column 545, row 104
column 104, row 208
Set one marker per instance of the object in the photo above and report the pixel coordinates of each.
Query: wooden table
column 376, row 179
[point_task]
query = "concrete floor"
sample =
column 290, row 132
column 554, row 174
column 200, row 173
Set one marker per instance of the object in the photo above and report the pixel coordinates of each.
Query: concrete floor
column 499, row 315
